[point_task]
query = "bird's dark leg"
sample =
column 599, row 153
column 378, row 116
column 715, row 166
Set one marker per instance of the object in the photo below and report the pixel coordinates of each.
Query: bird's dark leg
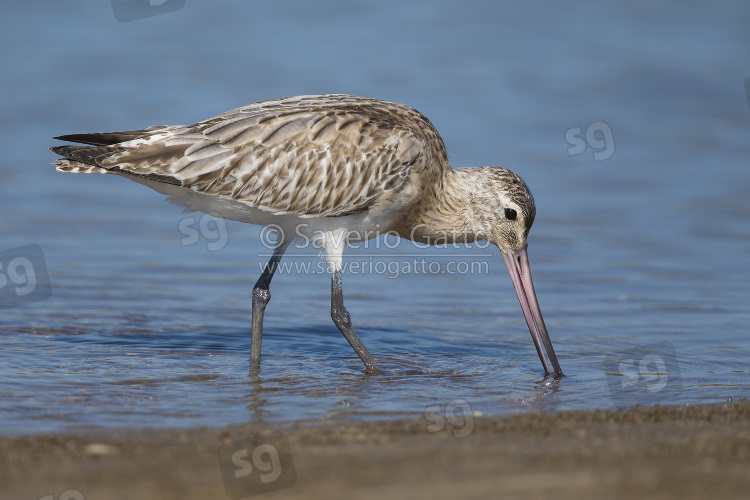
column 261, row 296
column 343, row 321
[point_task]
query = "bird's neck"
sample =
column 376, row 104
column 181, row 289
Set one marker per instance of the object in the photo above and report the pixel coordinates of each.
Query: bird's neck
column 444, row 213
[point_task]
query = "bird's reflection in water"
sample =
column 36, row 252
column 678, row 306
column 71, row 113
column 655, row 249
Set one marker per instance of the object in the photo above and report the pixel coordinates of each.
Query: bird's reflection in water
column 256, row 400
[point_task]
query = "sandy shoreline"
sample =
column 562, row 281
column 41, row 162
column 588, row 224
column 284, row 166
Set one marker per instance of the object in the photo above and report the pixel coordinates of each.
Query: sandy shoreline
column 652, row 452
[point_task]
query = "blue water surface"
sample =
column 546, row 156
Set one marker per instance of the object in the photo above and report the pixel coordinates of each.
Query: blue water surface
column 631, row 125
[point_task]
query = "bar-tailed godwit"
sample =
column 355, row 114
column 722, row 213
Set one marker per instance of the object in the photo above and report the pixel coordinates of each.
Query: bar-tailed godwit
column 336, row 169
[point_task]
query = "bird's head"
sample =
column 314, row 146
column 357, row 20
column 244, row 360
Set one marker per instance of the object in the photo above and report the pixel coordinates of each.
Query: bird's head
column 504, row 208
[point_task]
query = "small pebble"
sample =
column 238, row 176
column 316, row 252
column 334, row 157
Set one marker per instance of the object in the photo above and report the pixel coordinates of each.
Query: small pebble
column 100, row 450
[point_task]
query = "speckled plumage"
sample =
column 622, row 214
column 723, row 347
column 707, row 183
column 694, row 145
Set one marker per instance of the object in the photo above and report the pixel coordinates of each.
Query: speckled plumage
column 312, row 155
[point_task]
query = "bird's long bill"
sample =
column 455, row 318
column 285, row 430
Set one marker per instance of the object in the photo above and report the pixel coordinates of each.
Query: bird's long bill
column 517, row 262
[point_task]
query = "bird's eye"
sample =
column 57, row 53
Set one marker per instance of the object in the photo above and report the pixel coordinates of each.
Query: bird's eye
column 510, row 214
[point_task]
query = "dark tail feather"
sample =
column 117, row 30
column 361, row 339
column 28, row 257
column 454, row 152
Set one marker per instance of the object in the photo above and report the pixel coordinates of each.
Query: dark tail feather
column 91, row 155
column 66, row 150
column 109, row 138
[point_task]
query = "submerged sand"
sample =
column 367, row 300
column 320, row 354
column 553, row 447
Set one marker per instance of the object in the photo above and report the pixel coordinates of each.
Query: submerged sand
column 643, row 452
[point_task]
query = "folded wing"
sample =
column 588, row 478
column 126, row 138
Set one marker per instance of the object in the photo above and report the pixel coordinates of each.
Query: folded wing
column 311, row 155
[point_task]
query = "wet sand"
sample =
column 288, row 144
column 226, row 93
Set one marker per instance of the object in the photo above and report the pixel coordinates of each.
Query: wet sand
column 642, row 452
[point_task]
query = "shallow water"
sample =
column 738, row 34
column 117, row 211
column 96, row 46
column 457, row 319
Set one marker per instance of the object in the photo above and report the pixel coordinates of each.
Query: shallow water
column 640, row 257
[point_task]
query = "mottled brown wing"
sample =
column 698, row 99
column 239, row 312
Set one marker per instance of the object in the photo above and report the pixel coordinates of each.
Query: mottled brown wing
column 314, row 155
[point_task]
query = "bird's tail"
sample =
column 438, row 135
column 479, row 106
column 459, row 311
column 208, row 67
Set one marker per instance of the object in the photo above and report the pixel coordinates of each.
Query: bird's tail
column 87, row 159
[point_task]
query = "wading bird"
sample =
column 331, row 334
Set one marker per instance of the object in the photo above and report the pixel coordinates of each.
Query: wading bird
column 336, row 169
